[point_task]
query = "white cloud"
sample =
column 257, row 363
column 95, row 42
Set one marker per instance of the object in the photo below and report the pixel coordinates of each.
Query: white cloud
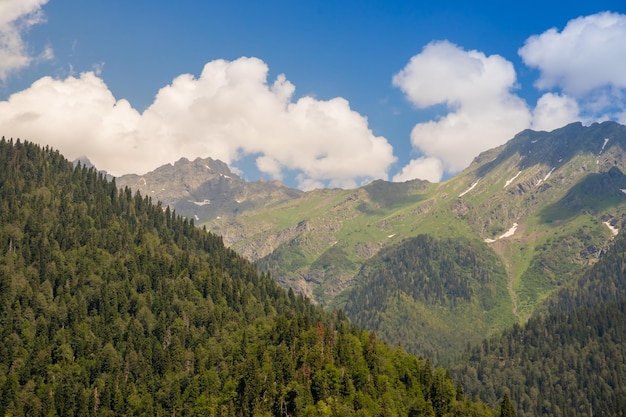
column 583, row 65
column 231, row 110
column 228, row 112
column 16, row 17
column 269, row 165
column 586, row 60
column 483, row 112
column 589, row 53
column 553, row 111
column 78, row 116
column 430, row 169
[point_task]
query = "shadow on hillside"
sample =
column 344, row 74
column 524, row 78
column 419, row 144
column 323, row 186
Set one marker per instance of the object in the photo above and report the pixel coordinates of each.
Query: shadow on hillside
column 554, row 148
column 391, row 195
column 595, row 194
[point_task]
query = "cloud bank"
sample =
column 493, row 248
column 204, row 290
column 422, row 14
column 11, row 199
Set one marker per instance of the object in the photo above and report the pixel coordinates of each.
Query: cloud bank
column 585, row 62
column 228, row 112
column 231, row 111
column 482, row 110
column 16, row 17
column 581, row 71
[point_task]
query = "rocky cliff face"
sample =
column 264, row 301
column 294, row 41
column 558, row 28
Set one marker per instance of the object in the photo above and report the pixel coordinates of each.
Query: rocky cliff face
column 206, row 189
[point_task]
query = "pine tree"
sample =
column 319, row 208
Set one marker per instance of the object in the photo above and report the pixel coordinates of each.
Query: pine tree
column 506, row 408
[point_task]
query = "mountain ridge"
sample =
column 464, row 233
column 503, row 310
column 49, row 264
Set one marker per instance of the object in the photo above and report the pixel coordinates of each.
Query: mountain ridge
column 513, row 198
column 204, row 189
column 112, row 305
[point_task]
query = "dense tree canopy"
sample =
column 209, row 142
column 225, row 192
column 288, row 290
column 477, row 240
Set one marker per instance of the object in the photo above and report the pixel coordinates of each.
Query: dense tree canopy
column 112, row 305
column 570, row 358
column 431, row 295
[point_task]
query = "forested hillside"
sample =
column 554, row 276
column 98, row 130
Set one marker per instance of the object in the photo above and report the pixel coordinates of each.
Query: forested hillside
column 545, row 204
column 432, row 295
column 111, row 305
column 570, row 358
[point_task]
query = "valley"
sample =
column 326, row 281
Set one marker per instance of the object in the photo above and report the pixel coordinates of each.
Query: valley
column 508, row 278
column 538, row 202
column 312, row 209
column 114, row 306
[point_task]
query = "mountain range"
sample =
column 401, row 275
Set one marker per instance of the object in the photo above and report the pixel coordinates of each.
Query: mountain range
column 519, row 223
column 206, row 189
column 112, row 305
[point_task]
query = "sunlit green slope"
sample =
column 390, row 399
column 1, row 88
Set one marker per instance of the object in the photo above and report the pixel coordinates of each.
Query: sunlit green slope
column 546, row 203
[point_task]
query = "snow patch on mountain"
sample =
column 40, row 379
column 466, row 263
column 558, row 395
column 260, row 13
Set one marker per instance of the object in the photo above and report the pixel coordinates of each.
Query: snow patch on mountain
column 506, row 234
column 509, row 232
column 512, row 179
column 201, row 203
column 613, row 229
column 470, row 188
column 606, row 140
column 545, row 178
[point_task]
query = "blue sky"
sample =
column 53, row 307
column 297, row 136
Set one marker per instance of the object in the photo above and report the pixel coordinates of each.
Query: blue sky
column 312, row 93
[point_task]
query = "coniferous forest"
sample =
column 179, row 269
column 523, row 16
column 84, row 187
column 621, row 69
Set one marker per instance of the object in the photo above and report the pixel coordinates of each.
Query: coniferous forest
column 567, row 360
column 114, row 306
column 411, row 291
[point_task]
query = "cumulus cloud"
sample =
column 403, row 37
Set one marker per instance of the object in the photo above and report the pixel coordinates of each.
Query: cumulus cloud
column 16, row 17
column 553, row 111
column 586, row 61
column 477, row 90
column 228, row 112
column 430, row 169
column 581, row 67
column 78, row 116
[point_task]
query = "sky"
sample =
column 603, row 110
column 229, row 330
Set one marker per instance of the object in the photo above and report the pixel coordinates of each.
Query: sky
column 311, row 93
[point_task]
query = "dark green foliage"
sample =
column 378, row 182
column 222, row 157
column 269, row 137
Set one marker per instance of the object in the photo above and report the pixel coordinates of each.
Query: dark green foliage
column 506, row 408
column 570, row 358
column 111, row 305
column 552, row 265
column 416, row 293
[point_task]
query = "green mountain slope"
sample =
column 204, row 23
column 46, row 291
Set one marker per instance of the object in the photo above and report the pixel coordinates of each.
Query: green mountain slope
column 316, row 244
column 546, row 203
column 428, row 293
column 570, row 358
column 110, row 305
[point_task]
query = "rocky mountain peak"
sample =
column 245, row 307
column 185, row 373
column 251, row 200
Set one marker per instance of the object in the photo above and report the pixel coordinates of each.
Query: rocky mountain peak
column 206, row 189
